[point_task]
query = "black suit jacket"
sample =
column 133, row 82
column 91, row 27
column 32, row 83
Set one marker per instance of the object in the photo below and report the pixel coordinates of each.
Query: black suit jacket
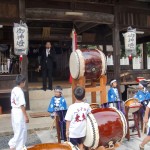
column 47, row 62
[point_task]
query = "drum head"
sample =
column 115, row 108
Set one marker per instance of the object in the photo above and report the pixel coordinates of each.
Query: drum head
column 76, row 64
column 104, row 63
column 133, row 104
column 92, row 133
column 131, row 99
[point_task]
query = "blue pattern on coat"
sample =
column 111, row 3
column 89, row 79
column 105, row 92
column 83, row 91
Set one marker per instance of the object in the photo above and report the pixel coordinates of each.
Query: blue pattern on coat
column 57, row 104
column 112, row 95
column 142, row 95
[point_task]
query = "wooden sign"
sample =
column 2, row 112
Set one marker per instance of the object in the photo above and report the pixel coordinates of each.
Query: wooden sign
column 20, row 39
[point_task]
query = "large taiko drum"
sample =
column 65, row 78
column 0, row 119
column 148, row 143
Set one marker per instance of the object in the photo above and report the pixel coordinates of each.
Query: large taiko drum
column 133, row 104
column 105, row 127
column 54, row 146
column 88, row 63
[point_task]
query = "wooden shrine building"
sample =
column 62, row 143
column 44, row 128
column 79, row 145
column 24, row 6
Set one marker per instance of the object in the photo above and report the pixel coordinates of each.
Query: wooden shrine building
column 97, row 23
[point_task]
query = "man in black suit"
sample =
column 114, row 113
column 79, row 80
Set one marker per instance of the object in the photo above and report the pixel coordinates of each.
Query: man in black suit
column 46, row 65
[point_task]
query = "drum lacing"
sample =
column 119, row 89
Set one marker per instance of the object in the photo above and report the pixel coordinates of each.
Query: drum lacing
column 94, row 132
column 79, row 64
column 111, row 145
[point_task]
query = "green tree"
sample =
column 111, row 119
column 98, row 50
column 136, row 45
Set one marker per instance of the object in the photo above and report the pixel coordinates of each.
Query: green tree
column 148, row 48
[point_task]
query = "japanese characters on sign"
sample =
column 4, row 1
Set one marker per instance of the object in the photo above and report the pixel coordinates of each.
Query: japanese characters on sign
column 20, row 39
column 130, row 42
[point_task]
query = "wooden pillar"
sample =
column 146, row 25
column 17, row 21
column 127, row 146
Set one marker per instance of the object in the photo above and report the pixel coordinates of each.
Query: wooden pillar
column 116, row 47
column 24, row 63
column 104, row 49
column 144, row 56
column 93, row 94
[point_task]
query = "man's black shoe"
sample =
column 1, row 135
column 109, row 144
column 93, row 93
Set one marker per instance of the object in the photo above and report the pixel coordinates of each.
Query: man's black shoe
column 44, row 89
column 50, row 89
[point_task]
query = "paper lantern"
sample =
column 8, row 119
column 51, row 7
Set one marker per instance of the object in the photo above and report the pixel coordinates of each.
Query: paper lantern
column 20, row 39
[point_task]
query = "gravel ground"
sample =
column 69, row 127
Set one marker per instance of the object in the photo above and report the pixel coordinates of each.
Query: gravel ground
column 32, row 140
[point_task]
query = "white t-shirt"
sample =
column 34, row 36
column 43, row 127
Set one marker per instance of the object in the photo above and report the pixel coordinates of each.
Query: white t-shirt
column 17, row 97
column 77, row 114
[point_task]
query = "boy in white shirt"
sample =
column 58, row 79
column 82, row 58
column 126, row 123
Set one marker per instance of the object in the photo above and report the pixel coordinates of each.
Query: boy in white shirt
column 76, row 118
column 19, row 116
column 146, row 120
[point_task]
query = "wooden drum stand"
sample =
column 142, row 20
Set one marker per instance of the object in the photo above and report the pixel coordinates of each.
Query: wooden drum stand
column 93, row 88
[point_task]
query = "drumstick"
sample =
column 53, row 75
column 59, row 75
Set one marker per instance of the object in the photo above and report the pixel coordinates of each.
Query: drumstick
column 51, row 127
column 144, row 125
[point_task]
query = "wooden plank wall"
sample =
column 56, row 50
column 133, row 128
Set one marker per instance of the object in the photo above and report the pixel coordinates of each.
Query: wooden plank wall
column 9, row 9
column 140, row 19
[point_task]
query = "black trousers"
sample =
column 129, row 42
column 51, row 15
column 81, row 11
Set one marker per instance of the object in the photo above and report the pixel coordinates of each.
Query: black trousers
column 47, row 73
column 62, row 124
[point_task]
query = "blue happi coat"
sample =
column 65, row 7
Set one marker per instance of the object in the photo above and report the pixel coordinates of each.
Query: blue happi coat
column 57, row 104
column 142, row 95
column 113, row 95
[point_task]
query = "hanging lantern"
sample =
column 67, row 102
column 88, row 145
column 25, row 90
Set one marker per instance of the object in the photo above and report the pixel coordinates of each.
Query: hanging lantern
column 20, row 38
column 130, row 41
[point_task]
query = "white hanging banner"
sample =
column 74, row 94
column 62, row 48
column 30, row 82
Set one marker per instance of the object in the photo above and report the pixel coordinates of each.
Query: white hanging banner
column 20, row 38
column 130, row 42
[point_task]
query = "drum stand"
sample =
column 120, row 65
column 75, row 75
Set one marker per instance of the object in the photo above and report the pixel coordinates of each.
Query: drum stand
column 92, row 88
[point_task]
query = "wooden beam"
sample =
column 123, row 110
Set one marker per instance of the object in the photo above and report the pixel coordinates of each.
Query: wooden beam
column 53, row 14
column 22, row 13
column 144, row 56
column 8, row 21
column 53, row 37
column 143, row 39
column 86, row 27
column 72, row 5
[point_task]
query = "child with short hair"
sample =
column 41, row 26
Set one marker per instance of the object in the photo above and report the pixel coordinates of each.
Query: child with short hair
column 58, row 106
column 19, row 116
column 146, row 120
column 76, row 118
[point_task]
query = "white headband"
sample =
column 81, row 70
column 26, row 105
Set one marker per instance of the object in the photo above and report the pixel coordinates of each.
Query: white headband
column 113, row 81
column 141, row 85
column 58, row 90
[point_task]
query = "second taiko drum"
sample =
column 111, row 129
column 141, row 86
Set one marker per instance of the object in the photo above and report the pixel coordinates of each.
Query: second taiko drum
column 88, row 63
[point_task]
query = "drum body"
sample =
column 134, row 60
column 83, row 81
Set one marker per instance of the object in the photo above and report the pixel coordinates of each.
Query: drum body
column 51, row 146
column 54, row 146
column 133, row 104
column 88, row 63
column 105, row 127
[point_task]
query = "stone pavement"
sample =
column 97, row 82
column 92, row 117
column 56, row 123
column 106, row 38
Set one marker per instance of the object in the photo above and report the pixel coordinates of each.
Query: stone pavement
column 39, row 132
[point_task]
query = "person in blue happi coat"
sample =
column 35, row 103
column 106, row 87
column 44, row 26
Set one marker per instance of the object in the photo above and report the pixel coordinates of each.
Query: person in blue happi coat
column 143, row 93
column 58, row 106
column 113, row 94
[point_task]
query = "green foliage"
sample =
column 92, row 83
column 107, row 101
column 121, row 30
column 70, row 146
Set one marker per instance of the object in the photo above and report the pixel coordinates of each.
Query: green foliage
column 138, row 50
column 148, row 48
column 123, row 53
